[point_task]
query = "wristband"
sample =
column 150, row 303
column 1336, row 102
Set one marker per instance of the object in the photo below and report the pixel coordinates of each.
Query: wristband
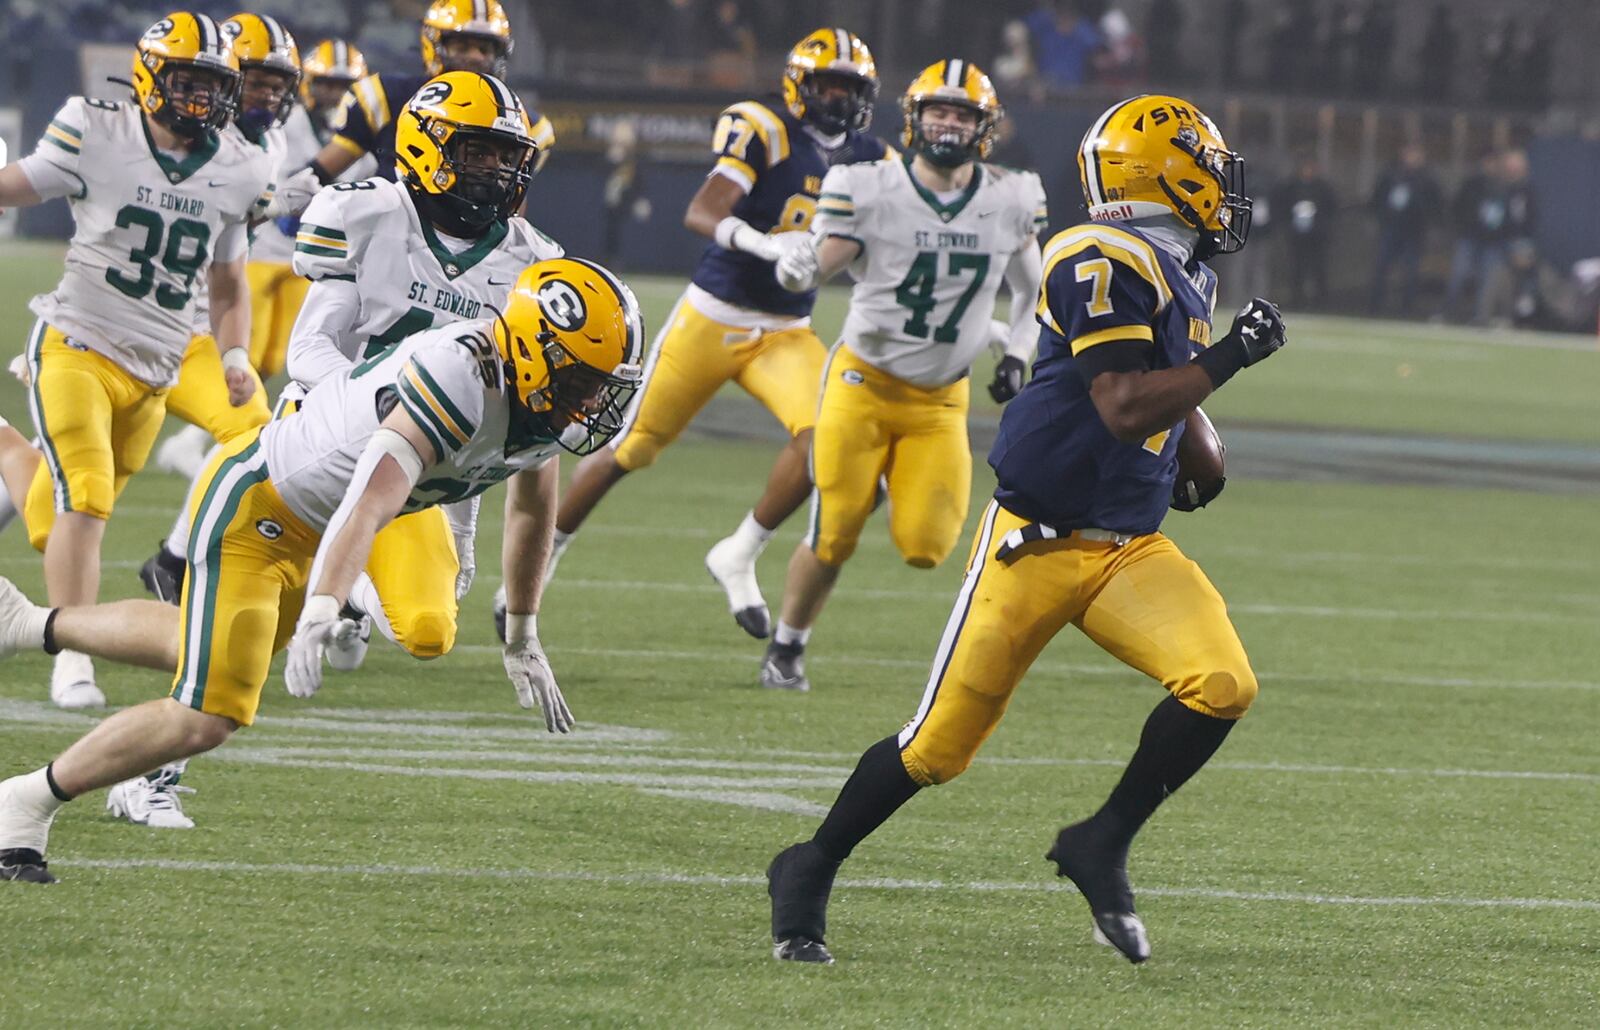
column 520, row 628
column 1221, row 360
column 236, row 358
column 727, row 232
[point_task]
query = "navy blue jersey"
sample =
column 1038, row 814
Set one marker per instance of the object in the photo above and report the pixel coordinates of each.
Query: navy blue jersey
column 365, row 121
column 763, row 146
column 1056, row 461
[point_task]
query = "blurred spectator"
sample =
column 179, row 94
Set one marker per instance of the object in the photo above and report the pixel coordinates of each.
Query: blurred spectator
column 733, row 47
column 1405, row 201
column 624, row 193
column 1065, row 40
column 1235, row 26
column 1374, row 50
column 1120, row 61
column 1530, row 65
column 1013, row 68
column 679, row 37
column 1163, row 32
column 1494, row 50
column 1492, row 209
column 1306, row 206
column 1436, row 59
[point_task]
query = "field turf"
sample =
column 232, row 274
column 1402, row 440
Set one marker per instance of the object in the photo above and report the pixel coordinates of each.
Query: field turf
column 1400, row 834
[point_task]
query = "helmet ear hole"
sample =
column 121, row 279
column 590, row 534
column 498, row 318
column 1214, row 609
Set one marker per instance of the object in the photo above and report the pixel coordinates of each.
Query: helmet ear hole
column 1189, row 185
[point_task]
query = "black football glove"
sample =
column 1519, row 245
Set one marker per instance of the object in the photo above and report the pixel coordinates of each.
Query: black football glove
column 1008, row 376
column 1187, row 495
column 1257, row 332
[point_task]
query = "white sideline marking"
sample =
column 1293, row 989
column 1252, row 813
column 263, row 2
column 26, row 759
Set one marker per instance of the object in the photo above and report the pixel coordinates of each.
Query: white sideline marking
column 767, row 800
column 875, row 883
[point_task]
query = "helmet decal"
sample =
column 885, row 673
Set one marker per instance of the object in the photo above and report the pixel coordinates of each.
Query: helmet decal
column 562, row 305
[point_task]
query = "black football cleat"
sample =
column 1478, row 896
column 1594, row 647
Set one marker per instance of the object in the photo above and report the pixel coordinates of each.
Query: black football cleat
column 1098, row 866
column 500, row 615
column 162, row 575
column 799, row 881
column 24, row 865
column 755, row 621
column 784, row 667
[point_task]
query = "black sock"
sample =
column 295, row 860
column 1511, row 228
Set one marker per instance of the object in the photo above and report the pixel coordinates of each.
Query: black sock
column 1176, row 742
column 878, row 787
column 55, row 788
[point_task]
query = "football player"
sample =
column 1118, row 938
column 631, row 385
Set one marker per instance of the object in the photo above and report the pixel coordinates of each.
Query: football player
column 457, row 35
column 160, row 202
column 291, row 510
column 1086, row 463
column 387, row 260
column 734, row 321
column 928, row 240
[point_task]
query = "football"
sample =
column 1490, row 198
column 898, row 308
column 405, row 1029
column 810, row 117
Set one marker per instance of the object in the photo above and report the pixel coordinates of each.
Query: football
column 1200, row 466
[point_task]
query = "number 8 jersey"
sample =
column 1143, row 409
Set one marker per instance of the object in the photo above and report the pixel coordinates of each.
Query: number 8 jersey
column 380, row 274
column 148, row 225
column 929, row 268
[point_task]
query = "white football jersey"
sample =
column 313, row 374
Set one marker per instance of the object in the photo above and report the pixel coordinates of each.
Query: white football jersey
column 146, row 228
column 275, row 143
column 928, row 272
column 301, row 143
column 451, row 382
column 407, row 277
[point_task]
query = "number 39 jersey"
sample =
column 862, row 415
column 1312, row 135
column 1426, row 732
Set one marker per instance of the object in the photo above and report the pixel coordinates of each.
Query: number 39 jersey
column 450, row 381
column 147, row 226
column 407, row 278
column 928, row 271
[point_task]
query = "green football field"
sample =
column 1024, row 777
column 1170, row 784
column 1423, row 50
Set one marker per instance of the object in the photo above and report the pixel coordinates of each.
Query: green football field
column 1401, row 833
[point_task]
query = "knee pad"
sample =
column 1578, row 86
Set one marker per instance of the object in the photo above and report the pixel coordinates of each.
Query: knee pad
column 924, row 547
column 638, row 450
column 832, row 549
column 1227, row 694
column 427, row 634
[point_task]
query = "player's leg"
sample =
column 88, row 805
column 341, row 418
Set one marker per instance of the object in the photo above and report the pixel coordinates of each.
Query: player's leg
column 412, row 571
column 19, row 463
column 201, row 399
column 1158, row 613
column 694, row 355
column 276, row 294
column 850, row 449
column 783, row 372
column 1005, row 612
column 930, row 475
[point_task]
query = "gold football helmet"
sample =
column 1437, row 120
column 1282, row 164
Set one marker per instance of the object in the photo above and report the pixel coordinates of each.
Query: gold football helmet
column 185, row 75
column 466, row 148
column 259, row 41
column 571, row 342
column 331, row 68
column 1155, row 155
column 961, row 84
column 483, row 19
column 820, row 64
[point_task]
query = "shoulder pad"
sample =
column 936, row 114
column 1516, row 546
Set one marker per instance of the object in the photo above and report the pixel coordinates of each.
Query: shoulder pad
column 441, row 387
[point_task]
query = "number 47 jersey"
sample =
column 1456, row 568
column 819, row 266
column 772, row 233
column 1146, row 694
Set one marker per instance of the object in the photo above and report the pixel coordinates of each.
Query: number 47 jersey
column 929, row 267
column 147, row 227
column 407, row 276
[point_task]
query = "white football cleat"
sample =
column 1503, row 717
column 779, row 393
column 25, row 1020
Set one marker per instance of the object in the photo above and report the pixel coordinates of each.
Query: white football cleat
column 734, row 568
column 151, row 800
column 72, row 682
column 21, row 621
column 347, row 648
column 184, row 452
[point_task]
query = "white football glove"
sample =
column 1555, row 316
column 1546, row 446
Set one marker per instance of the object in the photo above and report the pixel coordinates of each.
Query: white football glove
column 529, row 671
column 294, row 194
column 319, row 623
column 798, row 265
column 468, row 562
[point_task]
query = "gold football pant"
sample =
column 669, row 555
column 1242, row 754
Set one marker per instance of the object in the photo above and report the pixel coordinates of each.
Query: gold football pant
column 695, row 355
column 276, row 294
column 249, row 556
column 413, row 566
column 1143, row 602
column 201, row 396
column 871, row 425
column 96, row 425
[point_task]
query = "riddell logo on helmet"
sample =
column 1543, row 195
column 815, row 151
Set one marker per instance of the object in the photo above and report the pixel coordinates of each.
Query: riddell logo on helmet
column 1120, row 213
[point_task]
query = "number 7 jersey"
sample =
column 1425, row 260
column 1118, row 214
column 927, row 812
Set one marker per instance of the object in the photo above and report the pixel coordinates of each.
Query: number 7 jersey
column 147, row 226
column 407, row 277
column 929, row 270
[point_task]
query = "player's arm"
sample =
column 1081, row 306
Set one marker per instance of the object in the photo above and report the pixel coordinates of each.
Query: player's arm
column 836, row 239
column 15, row 188
column 230, row 311
column 740, row 144
column 361, row 116
column 1024, row 272
column 529, row 534
column 323, row 253
column 52, row 169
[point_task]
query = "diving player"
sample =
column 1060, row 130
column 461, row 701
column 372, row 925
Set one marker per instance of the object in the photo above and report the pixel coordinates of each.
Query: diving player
column 1086, row 462
column 160, row 201
column 928, row 240
column 290, row 511
column 734, row 322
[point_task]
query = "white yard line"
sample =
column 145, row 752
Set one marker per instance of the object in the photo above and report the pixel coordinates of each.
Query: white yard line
column 667, row 879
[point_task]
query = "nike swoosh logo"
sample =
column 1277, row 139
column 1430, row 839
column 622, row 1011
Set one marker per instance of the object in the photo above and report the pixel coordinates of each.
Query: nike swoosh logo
column 501, row 282
column 985, row 214
column 213, row 183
